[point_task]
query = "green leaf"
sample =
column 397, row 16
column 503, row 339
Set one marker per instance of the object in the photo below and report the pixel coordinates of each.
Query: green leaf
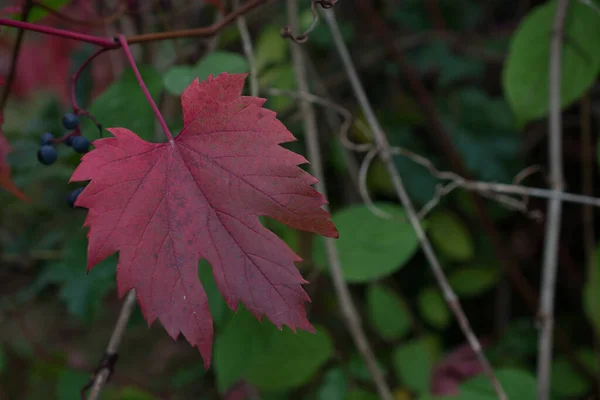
column 474, row 280
column 359, row 371
column 568, row 382
column 334, row 386
column 282, row 77
column 450, row 236
column 518, row 384
column 178, row 78
column 388, row 314
column 526, row 73
column 291, row 360
column 69, row 384
column 413, row 362
column 433, row 308
column 218, row 307
column 270, row 48
column 243, row 340
column 82, row 292
column 37, row 13
column 123, row 104
column 370, row 247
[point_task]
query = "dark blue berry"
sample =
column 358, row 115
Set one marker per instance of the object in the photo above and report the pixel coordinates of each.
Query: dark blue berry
column 47, row 154
column 72, row 197
column 80, row 144
column 46, row 138
column 70, row 121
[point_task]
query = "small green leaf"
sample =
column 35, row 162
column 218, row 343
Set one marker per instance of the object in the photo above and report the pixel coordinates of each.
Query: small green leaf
column 474, row 280
column 433, row 308
column 388, row 314
column 450, row 236
column 359, row 371
column 518, row 384
column 81, row 291
column 568, row 382
column 526, row 76
column 413, row 362
column 243, row 340
column 370, row 247
column 178, row 78
column 270, row 48
column 334, row 386
column 291, row 360
column 69, row 384
column 123, row 104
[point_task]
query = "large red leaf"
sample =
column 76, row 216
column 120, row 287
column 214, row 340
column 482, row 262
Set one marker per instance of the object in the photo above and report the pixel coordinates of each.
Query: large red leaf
column 165, row 206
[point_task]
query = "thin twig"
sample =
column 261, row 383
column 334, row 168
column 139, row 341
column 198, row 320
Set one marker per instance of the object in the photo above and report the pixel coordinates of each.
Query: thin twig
column 113, row 345
column 349, row 311
column 547, row 291
column 248, row 51
column 386, row 155
column 456, row 179
column 15, row 57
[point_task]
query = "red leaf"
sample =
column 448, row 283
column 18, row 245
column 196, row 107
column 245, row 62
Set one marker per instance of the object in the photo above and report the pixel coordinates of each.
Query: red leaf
column 166, row 206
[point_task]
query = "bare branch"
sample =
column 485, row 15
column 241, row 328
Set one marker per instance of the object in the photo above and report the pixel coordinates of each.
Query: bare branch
column 248, row 51
column 103, row 373
column 349, row 311
column 546, row 313
column 386, row 155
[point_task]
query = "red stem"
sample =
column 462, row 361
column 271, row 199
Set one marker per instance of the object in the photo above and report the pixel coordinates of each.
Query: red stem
column 107, row 43
column 76, row 75
column 161, row 120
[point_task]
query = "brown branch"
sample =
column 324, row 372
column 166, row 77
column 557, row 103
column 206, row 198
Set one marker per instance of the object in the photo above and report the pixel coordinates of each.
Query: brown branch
column 439, row 136
column 198, row 32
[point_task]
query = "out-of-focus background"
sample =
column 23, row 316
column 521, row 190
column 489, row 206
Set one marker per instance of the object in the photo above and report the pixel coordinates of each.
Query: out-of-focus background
column 462, row 83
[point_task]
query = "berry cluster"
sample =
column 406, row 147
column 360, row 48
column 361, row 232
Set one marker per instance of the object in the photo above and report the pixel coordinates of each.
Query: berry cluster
column 48, row 155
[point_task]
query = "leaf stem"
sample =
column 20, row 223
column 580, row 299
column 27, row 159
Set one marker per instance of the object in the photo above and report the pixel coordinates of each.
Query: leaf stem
column 77, row 74
column 123, row 40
